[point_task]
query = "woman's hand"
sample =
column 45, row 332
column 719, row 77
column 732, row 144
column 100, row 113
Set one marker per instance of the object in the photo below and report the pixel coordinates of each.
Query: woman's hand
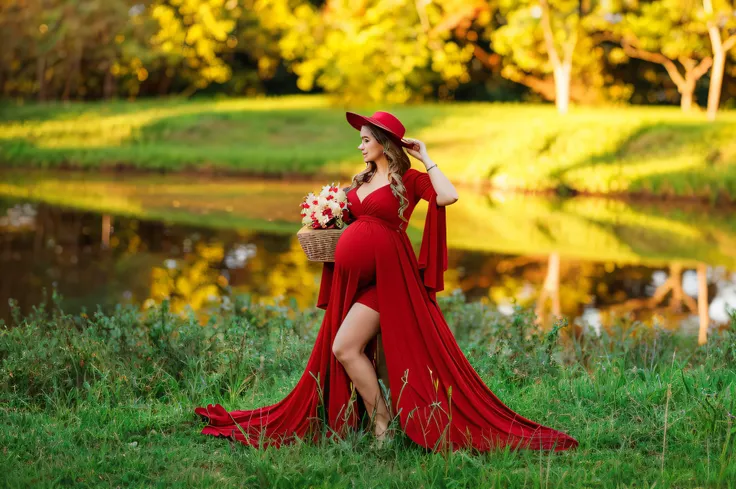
column 446, row 192
column 419, row 150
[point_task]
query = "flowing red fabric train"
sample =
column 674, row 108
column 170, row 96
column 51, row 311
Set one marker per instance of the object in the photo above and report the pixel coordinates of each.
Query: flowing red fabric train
column 440, row 399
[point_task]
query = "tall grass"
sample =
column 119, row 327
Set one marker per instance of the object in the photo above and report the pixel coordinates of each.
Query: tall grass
column 95, row 399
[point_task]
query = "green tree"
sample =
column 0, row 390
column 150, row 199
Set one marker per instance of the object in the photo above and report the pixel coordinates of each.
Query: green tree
column 90, row 48
column 669, row 33
column 720, row 18
column 192, row 36
column 374, row 50
column 257, row 57
column 546, row 46
column 66, row 49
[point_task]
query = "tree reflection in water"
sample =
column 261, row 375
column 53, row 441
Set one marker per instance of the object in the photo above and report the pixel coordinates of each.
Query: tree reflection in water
column 101, row 259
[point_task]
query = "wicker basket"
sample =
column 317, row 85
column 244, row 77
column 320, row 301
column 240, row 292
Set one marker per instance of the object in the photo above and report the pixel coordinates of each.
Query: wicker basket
column 319, row 244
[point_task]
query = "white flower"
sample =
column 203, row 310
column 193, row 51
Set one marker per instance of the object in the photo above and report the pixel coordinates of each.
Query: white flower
column 310, row 199
column 323, row 220
column 331, row 197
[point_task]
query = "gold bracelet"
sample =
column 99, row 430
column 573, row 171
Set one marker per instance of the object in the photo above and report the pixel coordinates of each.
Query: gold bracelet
column 431, row 167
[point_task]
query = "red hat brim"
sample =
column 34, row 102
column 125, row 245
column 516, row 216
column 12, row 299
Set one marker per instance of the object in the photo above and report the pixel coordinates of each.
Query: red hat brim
column 358, row 121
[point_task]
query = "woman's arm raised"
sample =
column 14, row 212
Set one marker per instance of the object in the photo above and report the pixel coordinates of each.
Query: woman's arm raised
column 446, row 192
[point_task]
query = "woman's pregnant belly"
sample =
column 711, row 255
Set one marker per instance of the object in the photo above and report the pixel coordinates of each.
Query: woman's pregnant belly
column 355, row 251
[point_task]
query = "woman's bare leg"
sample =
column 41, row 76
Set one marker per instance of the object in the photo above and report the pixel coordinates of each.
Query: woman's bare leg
column 359, row 327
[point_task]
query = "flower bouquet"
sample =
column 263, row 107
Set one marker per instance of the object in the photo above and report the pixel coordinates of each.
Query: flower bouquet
column 323, row 219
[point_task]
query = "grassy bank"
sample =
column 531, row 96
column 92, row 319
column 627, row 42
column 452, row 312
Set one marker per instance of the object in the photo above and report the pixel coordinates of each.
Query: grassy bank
column 627, row 150
column 97, row 400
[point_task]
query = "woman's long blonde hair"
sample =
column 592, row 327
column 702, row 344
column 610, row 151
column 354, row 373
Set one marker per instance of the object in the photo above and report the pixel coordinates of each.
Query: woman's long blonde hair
column 398, row 163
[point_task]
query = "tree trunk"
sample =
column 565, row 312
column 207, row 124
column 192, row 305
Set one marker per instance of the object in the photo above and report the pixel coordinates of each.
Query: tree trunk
column 561, row 59
column 694, row 70
column 75, row 75
column 562, row 88
column 67, row 86
column 703, row 304
column 109, row 84
column 550, row 289
column 719, row 62
column 164, row 84
column 41, row 77
column 687, row 91
column 106, row 230
column 716, row 81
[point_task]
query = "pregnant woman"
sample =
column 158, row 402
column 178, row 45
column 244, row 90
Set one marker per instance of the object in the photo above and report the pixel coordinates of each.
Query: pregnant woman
column 377, row 284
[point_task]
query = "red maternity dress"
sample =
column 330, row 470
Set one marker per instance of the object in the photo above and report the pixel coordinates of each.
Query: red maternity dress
column 440, row 399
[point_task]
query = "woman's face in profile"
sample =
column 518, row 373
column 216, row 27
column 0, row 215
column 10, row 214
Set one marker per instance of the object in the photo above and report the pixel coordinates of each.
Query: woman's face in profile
column 369, row 146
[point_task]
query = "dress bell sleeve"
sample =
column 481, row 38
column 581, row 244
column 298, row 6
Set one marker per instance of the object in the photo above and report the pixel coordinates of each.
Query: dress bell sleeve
column 328, row 269
column 325, row 285
column 433, row 251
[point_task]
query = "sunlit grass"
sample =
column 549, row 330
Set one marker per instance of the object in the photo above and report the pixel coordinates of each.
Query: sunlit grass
column 649, row 150
column 99, row 125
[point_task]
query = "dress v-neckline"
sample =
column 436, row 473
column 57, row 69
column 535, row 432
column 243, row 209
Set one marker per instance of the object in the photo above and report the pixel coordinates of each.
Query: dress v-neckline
column 369, row 193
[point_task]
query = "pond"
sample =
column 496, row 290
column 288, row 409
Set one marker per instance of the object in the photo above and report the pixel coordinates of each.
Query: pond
column 105, row 239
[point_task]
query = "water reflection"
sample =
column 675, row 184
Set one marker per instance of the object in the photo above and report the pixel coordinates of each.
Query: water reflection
column 201, row 244
column 663, row 300
column 92, row 262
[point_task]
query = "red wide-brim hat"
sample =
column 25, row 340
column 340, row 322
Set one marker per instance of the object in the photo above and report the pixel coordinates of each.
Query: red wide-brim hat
column 385, row 120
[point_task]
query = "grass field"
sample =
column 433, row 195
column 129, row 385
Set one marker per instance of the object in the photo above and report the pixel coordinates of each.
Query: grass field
column 613, row 150
column 106, row 401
